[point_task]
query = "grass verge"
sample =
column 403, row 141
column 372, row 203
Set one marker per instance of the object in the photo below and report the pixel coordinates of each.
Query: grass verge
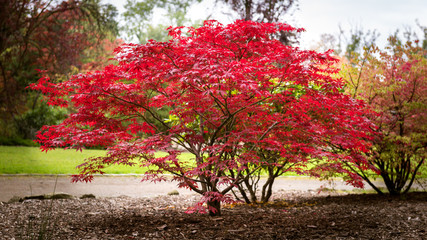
column 30, row 160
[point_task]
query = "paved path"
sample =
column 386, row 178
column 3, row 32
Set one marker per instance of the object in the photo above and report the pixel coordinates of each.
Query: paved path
column 114, row 186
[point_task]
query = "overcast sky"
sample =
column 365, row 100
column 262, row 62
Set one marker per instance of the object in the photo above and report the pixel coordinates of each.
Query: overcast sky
column 324, row 16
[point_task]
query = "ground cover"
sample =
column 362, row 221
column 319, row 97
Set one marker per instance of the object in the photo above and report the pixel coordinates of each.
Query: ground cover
column 292, row 215
column 30, row 160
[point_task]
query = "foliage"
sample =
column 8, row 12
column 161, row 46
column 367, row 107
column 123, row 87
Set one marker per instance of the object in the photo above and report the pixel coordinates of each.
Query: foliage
column 393, row 82
column 55, row 36
column 28, row 123
column 17, row 141
column 232, row 91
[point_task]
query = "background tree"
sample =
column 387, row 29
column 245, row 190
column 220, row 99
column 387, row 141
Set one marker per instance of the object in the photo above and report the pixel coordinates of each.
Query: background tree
column 352, row 44
column 347, row 44
column 265, row 11
column 231, row 91
column 138, row 15
column 261, row 10
column 393, row 81
column 55, row 36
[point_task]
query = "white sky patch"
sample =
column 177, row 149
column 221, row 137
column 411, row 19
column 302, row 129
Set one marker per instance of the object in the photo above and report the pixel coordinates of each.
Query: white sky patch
column 325, row 16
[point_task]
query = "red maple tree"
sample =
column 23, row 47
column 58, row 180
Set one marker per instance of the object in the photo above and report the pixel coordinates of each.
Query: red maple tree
column 231, row 93
column 393, row 82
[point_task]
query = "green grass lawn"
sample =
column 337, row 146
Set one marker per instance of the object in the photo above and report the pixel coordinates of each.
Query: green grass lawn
column 30, row 160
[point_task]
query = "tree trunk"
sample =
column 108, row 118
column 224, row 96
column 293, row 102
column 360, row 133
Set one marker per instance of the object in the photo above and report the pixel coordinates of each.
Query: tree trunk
column 267, row 189
column 243, row 193
column 252, row 190
column 214, row 208
column 372, row 185
column 389, row 183
column 414, row 174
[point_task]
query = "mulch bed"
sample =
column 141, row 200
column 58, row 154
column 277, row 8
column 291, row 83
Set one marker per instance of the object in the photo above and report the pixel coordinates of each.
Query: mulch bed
column 291, row 215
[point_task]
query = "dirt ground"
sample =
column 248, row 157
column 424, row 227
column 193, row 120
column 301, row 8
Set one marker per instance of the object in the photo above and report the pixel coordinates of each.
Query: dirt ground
column 291, row 215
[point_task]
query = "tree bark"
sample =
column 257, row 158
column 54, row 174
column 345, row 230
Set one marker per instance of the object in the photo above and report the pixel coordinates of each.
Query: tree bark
column 267, row 189
column 214, row 208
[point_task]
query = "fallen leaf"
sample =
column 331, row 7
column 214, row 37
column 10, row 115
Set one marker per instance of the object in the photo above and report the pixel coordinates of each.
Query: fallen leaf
column 163, row 227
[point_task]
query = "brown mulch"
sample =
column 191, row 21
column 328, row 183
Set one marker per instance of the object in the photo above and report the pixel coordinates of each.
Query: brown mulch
column 292, row 215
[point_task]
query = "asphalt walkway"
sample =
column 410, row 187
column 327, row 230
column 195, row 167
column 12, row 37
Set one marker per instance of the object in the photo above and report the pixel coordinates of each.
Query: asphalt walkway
column 114, row 186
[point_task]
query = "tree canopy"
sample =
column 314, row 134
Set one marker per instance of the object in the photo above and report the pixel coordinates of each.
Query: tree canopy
column 231, row 92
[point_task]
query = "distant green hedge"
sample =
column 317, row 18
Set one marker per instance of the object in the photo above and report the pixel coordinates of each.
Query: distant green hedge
column 17, row 141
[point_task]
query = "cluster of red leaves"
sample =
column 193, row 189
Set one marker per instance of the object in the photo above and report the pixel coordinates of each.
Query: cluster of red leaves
column 229, row 90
